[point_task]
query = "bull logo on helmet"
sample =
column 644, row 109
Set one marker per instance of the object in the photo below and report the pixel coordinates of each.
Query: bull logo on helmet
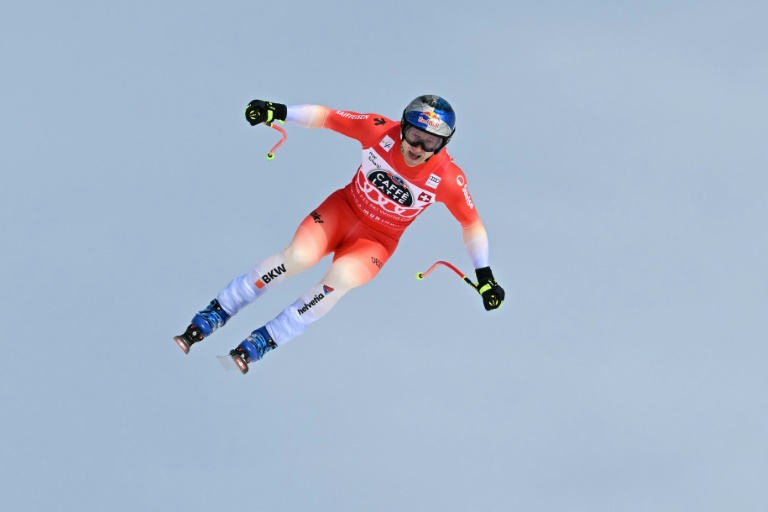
column 431, row 119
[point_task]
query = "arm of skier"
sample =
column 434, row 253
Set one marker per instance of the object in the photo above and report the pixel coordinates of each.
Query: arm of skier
column 461, row 206
column 476, row 243
column 308, row 116
column 351, row 124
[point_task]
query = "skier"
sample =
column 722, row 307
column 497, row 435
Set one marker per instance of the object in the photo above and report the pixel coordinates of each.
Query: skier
column 405, row 168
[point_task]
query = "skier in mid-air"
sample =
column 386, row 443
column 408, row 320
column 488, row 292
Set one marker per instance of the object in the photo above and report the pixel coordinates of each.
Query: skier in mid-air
column 405, row 168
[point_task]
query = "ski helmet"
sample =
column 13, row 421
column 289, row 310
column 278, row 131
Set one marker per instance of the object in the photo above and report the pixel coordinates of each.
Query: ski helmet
column 431, row 114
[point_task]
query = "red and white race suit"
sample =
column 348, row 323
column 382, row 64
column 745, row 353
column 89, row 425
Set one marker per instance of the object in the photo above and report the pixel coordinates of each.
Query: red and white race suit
column 361, row 223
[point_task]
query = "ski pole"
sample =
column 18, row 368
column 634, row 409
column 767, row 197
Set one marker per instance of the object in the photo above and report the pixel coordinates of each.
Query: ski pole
column 271, row 153
column 422, row 275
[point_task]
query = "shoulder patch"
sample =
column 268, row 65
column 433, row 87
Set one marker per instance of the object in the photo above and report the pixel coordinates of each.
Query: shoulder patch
column 387, row 143
column 433, row 181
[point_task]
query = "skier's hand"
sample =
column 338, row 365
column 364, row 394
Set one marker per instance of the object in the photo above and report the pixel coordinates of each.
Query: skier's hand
column 489, row 289
column 259, row 111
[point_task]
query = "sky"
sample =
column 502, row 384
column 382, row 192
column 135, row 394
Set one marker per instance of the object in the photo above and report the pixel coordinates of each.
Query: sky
column 616, row 152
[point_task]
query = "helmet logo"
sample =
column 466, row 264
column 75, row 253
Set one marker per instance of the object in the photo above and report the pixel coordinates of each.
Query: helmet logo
column 431, row 119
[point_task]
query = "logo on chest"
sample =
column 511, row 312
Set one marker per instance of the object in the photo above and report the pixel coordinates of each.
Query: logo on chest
column 393, row 186
column 433, row 181
column 387, row 143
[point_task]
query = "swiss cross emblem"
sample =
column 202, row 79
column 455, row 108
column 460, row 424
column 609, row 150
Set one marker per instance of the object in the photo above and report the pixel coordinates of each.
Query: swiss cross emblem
column 425, row 197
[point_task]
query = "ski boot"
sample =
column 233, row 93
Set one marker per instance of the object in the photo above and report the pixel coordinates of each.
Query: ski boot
column 252, row 348
column 203, row 324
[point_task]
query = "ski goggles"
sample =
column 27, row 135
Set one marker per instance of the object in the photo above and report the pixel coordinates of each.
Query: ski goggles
column 417, row 137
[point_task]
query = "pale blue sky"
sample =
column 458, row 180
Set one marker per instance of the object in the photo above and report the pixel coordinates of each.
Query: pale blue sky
column 615, row 150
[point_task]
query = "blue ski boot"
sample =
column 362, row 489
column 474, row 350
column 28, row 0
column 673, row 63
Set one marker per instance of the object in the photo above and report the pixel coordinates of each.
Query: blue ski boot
column 252, row 348
column 203, row 324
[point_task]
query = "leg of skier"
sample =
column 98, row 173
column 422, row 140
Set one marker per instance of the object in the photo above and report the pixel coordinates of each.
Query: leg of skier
column 320, row 233
column 357, row 260
column 314, row 239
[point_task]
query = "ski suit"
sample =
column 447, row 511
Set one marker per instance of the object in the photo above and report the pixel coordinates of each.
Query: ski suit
column 361, row 223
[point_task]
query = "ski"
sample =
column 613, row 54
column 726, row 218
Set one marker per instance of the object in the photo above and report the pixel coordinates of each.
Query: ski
column 234, row 361
column 228, row 363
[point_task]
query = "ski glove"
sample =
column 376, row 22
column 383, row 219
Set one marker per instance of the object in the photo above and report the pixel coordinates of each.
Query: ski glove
column 259, row 111
column 489, row 289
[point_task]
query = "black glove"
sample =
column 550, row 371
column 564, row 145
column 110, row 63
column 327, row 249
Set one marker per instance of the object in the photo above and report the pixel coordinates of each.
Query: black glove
column 489, row 289
column 259, row 111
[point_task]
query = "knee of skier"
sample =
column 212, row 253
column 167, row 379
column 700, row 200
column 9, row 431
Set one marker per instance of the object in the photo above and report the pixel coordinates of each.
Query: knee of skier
column 299, row 258
column 346, row 274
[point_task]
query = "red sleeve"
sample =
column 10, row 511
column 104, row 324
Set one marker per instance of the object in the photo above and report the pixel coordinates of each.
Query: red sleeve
column 366, row 128
column 453, row 192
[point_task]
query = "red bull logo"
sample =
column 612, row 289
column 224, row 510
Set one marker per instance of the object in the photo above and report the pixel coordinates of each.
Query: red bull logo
column 430, row 119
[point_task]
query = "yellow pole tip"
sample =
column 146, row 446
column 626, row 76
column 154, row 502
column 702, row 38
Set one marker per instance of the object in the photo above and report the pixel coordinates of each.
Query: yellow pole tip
column 419, row 276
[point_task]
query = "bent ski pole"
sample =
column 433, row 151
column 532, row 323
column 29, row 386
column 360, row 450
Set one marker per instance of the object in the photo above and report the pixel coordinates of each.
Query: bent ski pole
column 271, row 153
column 422, row 275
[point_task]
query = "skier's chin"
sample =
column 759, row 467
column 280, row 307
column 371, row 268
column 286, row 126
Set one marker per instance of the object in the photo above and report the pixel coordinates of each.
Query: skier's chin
column 413, row 159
